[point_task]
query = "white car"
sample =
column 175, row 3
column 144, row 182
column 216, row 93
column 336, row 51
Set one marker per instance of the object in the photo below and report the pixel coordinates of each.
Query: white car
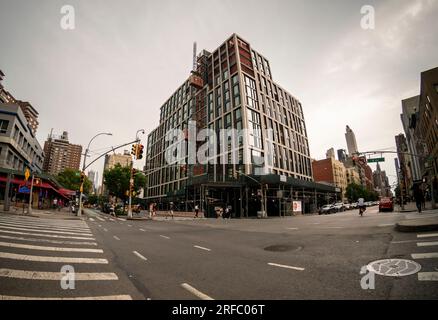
column 339, row 206
column 327, row 209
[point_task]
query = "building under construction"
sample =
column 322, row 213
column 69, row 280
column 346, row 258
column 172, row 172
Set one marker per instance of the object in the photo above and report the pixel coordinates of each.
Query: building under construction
column 232, row 88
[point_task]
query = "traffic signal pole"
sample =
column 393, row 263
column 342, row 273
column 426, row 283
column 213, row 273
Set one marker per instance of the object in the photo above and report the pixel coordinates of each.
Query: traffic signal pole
column 137, row 152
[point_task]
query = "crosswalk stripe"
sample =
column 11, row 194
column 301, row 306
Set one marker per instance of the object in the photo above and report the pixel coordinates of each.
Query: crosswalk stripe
column 121, row 219
column 428, row 255
column 37, row 275
column 139, row 255
column 427, row 235
column 99, row 218
column 45, row 221
column 111, row 219
column 428, row 276
column 91, row 219
column 41, row 226
column 44, row 248
column 46, row 235
column 113, row 297
column 46, row 231
column 7, row 255
column 427, row 244
column 49, row 241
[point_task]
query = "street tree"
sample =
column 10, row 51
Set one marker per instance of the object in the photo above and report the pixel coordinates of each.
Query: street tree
column 71, row 179
column 117, row 181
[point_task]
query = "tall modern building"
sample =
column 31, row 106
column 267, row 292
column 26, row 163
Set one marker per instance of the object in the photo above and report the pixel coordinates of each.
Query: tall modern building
column 60, row 154
column 342, row 155
column 381, row 182
column 232, row 88
column 330, row 153
column 405, row 174
column 92, row 177
column 351, row 142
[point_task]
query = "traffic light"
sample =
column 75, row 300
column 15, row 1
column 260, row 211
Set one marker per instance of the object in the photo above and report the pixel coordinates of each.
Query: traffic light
column 134, row 150
column 82, row 177
column 140, row 148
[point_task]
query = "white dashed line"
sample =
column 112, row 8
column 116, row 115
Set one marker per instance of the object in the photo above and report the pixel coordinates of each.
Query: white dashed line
column 285, row 266
column 116, row 237
column 202, row 248
column 292, row 228
column 165, row 237
column 427, row 244
column 129, row 225
column 428, row 276
column 427, row 235
column 142, row 230
column 139, row 255
column 196, row 292
column 105, row 229
column 386, row 225
column 429, row 255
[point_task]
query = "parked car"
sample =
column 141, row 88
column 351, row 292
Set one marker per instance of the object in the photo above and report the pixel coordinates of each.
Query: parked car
column 353, row 205
column 327, row 209
column 339, row 207
column 347, row 206
column 386, row 204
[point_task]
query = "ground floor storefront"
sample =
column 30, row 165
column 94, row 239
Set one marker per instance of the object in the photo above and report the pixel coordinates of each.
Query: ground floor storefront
column 283, row 196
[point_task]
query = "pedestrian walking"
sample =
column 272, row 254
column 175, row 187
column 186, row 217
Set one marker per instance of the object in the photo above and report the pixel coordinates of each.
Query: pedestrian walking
column 151, row 210
column 113, row 210
column 361, row 205
column 419, row 197
column 171, row 208
column 196, row 211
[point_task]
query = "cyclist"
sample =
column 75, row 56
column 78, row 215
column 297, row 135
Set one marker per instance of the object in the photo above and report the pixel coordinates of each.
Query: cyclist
column 361, row 205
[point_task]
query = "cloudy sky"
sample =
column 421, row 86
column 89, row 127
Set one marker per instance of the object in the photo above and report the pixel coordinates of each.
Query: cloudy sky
column 125, row 58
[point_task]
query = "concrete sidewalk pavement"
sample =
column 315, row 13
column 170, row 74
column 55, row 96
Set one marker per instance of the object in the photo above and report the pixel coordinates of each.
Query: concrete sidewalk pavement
column 419, row 222
column 64, row 214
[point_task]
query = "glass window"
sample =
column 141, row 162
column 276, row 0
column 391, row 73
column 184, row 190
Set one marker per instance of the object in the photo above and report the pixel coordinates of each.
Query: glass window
column 4, row 124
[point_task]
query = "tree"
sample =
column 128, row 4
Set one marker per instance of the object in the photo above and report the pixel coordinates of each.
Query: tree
column 117, row 181
column 71, row 179
column 355, row 191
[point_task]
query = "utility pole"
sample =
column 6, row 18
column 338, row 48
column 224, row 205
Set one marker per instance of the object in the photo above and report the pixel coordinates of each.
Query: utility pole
column 7, row 191
column 29, row 211
column 137, row 152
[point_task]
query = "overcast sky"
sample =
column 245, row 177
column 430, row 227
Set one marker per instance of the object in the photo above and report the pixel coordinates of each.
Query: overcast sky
column 125, row 58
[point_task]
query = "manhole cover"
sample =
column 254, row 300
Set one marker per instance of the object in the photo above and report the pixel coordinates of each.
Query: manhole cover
column 394, row 267
column 283, row 248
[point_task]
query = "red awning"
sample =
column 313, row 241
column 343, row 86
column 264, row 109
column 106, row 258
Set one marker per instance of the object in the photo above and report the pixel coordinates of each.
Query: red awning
column 44, row 185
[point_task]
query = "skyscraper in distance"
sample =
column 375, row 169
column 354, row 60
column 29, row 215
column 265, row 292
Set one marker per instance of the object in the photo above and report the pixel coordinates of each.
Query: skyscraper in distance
column 351, row 141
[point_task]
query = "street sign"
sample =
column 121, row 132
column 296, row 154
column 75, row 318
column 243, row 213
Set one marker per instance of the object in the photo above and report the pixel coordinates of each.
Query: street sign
column 26, row 174
column 376, row 160
column 23, row 189
column 296, row 206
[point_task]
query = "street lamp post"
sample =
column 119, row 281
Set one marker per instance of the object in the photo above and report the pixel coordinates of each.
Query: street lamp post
column 263, row 194
column 83, row 168
column 131, row 180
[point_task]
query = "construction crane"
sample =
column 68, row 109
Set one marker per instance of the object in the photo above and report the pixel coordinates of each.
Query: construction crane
column 195, row 78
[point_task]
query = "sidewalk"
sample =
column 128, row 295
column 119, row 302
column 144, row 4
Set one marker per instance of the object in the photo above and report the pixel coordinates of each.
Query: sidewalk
column 425, row 221
column 64, row 214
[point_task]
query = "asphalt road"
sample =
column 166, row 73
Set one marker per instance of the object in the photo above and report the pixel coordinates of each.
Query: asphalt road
column 306, row 257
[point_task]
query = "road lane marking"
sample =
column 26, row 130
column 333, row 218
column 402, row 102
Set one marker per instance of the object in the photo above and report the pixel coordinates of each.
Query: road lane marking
column 114, row 297
column 427, row 244
column 139, row 255
column 129, row 225
column 428, row 276
column 43, row 226
column 427, row 235
column 165, row 237
column 45, row 235
column 111, row 219
column 46, row 231
column 116, row 237
column 196, row 292
column 202, row 248
column 65, row 224
column 6, row 255
column 99, row 218
column 285, row 266
column 37, row 275
column 386, row 225
column 120, row 219
column 292, row 228
column 105, row 229
column 49, row 241
column 44, row 248
column 428, row 255
column 333, row 227
column 91, row 219
column 142, row 230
